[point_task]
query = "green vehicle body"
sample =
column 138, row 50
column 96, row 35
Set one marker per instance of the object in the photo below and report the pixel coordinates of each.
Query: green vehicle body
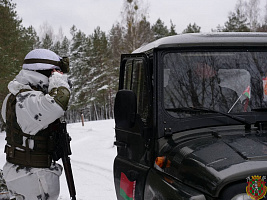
column 198, row 103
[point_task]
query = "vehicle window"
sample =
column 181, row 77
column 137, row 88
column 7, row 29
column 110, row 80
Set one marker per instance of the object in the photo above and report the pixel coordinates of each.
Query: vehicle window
column 224, row 81
column 134, row 79
column 128, row 75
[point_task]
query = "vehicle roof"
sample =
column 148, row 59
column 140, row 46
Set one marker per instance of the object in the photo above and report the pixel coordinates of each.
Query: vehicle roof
column 208, row 39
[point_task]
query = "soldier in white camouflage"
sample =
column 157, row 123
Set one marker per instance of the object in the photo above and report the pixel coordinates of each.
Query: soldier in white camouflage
column 38, row 97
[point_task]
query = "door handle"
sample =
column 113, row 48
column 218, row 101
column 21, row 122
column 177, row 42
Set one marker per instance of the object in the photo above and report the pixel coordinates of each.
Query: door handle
column 120, row 144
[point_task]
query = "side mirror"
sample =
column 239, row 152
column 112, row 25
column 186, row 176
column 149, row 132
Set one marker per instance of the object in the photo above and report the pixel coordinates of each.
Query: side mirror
column 125, row 108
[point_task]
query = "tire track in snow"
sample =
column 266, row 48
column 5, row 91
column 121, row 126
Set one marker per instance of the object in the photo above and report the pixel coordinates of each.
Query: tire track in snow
column 96, row 169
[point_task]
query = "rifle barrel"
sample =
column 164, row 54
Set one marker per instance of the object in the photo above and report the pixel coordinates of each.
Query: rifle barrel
column 69, row 176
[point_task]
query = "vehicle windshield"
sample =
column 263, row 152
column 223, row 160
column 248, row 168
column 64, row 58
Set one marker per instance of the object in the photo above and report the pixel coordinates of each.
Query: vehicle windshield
column 226, row 81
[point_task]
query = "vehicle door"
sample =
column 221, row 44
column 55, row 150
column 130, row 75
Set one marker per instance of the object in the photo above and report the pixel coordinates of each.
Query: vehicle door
column 133, row 158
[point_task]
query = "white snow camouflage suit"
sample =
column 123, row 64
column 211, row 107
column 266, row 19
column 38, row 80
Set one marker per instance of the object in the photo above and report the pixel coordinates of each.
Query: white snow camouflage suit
column 34, row 183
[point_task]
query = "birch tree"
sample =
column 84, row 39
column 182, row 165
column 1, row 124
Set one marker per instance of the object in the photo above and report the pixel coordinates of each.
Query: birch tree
column 138, row 31
column 251, row 11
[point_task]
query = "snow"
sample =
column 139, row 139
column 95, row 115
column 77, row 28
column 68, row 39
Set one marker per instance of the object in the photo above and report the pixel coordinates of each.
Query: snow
column 92, row 158
column 104, row 87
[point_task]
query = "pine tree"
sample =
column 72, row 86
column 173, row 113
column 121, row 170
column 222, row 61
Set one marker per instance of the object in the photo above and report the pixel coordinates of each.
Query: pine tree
column 116, row 42
column 99, row 82
column 64, row 47
column 47, row 42
column 172, row 29
column 115, row 49
column 159, row 29
column 192, row 28
column 15, row 42
column 10, row 46
column 78, row 63
column 30, row 37
column 56, row 48
column 236, row 23
column 144, row 32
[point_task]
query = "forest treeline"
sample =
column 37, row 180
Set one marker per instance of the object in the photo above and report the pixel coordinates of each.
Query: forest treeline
column 95, row 58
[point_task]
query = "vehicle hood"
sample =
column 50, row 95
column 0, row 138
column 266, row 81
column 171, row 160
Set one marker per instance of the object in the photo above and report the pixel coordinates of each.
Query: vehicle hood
column 210, row 163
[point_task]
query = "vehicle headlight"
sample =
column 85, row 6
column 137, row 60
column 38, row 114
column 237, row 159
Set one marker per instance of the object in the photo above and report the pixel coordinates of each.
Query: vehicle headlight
column 243, row 196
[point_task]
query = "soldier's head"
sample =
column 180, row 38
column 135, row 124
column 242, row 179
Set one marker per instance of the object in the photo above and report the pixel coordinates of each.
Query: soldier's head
column 44, row 61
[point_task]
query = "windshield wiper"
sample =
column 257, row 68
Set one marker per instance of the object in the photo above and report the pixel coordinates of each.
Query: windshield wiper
column 203, row 109
column 239, row 119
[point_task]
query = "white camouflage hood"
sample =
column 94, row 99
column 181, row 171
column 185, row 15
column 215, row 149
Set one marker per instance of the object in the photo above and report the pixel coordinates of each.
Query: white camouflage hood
column 26, row 79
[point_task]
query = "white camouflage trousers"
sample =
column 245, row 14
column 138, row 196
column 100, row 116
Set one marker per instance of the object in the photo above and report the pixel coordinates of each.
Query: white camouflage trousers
column 32, row 183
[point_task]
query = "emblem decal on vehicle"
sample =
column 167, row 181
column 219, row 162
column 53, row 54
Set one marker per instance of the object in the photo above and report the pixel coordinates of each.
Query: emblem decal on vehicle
column 256, row 188
column 264, row 80
column 127, row 187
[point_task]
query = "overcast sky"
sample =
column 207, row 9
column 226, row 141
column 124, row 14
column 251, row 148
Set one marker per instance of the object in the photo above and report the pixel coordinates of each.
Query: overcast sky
column 86, row 15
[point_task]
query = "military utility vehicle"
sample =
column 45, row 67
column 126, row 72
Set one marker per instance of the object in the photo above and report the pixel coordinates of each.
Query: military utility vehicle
column 191, row 118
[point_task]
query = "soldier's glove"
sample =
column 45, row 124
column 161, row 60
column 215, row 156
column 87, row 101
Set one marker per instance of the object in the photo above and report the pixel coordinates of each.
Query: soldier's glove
column 59, row 89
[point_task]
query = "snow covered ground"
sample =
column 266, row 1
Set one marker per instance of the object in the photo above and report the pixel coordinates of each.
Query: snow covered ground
column 92, row 160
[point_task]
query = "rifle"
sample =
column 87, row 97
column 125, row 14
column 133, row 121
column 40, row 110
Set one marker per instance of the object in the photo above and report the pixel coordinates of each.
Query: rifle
column 62, row 150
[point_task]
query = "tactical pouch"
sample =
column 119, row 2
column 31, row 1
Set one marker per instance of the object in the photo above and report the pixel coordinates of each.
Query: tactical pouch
column 27, row 158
